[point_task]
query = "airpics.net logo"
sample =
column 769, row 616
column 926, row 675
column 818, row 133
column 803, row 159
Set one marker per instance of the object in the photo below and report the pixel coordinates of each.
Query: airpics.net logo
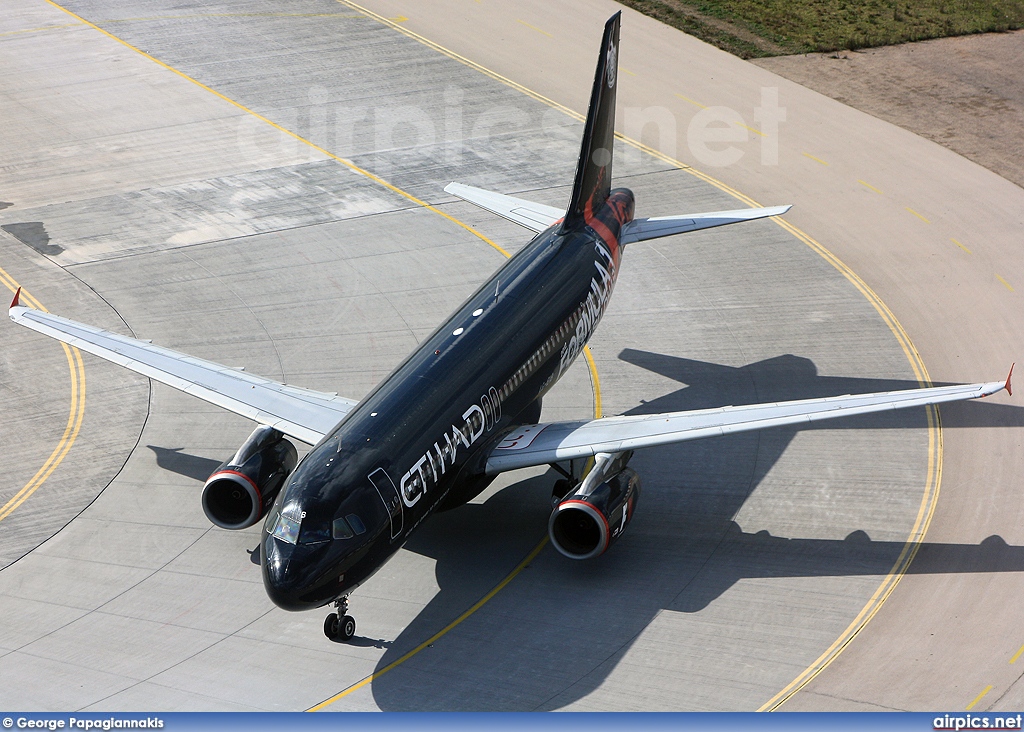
column 974, row 722
column 452, row 129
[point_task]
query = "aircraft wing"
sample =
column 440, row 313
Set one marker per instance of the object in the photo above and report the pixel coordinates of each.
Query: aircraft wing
column 534, row 216
column 653, row 228
column 542, row 444
column 303, row 414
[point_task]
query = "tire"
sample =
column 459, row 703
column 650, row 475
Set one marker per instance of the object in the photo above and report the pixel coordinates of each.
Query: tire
column 347, row 628
column 332, row 626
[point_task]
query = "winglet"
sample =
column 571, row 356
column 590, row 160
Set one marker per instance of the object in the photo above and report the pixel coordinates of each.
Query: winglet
column 14, row 302
column 1007, row 385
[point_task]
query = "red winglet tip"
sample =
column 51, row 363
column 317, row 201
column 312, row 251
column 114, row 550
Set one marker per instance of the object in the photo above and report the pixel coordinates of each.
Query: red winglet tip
column 14, row 302
column 1008, row 389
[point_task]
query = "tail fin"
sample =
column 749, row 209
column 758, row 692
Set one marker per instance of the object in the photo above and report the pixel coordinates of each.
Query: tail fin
column 594, row 169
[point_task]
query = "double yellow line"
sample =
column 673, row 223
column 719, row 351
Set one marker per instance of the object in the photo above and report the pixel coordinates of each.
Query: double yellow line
column 75, row 415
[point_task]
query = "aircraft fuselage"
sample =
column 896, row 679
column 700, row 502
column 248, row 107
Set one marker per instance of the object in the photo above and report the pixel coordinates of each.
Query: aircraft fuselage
column 418, row 442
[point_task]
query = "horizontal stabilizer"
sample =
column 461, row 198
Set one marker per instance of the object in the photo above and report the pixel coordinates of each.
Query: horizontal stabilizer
column 643, row 229
column 534, row 216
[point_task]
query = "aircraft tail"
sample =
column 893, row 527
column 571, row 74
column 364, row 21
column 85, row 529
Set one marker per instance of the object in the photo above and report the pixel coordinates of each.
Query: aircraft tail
column 594, row 168
column 591, row 189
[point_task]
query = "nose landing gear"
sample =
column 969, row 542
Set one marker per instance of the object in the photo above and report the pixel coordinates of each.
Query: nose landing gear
column 339, row 626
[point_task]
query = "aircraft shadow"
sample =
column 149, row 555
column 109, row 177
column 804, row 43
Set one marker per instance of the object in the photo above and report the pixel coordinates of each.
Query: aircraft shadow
column 565, row 616
column 176, row 461
column 560, row 628
column 789, row 377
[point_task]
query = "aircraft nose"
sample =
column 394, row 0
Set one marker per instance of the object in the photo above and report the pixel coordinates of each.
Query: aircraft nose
column 287, row 579
column 281, row 589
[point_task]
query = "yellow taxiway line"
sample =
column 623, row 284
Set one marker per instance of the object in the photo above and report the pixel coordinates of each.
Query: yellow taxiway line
column 439, row 634
column 347, row 163
column 533, row 27
column 961, row 246
column 1017, row 655
column 76, row 413
column 979, row 697
column 917, row 214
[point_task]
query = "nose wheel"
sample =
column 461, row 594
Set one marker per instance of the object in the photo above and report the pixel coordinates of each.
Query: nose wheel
column 339, row 626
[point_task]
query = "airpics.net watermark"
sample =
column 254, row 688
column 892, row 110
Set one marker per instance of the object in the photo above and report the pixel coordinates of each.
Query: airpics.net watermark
column 977, row 721
column 456, row 129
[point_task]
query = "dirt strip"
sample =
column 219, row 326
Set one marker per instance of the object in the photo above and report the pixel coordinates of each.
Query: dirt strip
column 966, row 93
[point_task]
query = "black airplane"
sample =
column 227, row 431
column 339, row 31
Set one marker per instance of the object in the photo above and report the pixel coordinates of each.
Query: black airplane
column 465, row 405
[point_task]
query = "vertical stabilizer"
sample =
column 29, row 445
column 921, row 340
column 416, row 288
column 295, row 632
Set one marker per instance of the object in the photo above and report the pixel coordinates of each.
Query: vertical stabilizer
column 594, row 169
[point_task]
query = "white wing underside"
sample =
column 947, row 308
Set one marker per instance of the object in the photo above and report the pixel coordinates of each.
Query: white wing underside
column 543, row 444
column 303, row 414
column 308, row 415
column 538, row 217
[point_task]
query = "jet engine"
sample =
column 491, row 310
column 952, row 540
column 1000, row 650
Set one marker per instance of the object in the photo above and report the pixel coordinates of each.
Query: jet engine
column 587, row 521
column 241, row 491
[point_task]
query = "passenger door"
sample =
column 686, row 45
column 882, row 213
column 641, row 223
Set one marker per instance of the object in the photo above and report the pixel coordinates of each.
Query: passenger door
column 392, row 501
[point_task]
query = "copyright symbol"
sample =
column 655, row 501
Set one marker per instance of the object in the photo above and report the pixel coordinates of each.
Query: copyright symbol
column 8, row 722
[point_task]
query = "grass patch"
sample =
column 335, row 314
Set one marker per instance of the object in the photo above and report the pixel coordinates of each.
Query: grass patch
column 754, row 28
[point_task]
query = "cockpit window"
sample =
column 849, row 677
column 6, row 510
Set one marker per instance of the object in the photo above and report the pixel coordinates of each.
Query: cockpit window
column 342, row 530
column 286, row 529
column 356, row 523
column 292, row 531
column 346, row 528
column 314, row 534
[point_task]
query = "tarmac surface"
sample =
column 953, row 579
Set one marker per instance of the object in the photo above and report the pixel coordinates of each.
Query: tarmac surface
column 206, row 187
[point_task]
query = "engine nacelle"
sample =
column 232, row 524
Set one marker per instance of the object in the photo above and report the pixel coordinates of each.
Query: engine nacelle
column 241, row 491
column 583, row 525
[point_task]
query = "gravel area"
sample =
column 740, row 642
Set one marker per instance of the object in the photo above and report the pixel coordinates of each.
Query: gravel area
column 966, row 93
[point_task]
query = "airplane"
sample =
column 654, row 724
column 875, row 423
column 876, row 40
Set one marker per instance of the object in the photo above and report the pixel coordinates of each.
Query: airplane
column 465, row 405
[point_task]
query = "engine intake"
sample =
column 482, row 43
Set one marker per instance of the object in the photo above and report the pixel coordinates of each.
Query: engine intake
column 241, row 491
column 586, row 522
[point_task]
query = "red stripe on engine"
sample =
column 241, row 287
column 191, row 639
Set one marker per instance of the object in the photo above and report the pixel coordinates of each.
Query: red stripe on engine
column 250, row 481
